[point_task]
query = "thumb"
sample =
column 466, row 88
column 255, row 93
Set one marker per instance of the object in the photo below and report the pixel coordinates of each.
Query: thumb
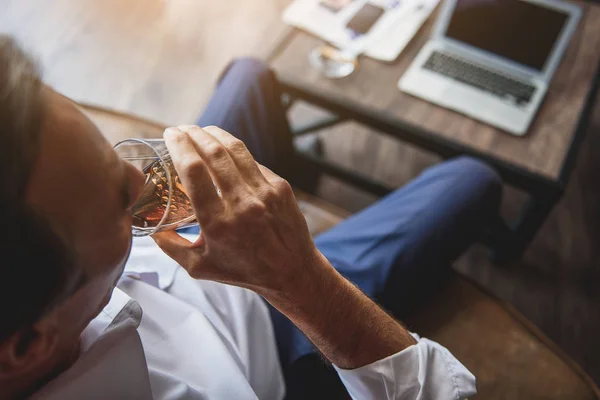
column 175, row 246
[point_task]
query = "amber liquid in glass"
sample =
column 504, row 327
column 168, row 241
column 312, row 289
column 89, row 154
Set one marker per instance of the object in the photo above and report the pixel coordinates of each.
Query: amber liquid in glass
column 152, row 204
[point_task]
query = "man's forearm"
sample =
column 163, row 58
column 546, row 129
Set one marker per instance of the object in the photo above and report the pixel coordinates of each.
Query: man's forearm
column 255, row 236
column 347, row 327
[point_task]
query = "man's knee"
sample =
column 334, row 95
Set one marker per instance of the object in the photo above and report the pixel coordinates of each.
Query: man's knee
column 480, row 178
column 247, row 69
column 475, row 168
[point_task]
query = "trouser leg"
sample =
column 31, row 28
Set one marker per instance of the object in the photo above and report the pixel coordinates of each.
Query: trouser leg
column 400, row 249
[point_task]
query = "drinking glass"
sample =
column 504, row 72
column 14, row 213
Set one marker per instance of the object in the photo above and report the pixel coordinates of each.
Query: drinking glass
column 163, row 203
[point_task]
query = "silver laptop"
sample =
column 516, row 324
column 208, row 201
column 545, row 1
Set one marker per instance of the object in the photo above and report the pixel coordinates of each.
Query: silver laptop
column 493, row 59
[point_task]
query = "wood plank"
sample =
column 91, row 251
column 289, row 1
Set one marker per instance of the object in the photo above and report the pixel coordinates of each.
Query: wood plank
column 155, row 58
column 542, row 150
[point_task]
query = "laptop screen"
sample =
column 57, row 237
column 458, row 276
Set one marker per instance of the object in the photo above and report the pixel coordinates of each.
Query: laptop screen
column 517, row 30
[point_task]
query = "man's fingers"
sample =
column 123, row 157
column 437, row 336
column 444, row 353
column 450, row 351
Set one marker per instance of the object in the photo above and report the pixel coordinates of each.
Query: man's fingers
column 241, row 156
column 216, row 157
column 281, row 186
column 184, row 252
column 194, row 175
column 175, row 246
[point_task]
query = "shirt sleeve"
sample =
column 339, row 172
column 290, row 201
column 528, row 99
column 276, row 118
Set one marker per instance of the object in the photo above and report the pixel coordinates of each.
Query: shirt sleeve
column 425, row 370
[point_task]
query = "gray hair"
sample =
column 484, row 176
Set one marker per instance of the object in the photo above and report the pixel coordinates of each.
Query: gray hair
column 20, row 116
column 35, row 264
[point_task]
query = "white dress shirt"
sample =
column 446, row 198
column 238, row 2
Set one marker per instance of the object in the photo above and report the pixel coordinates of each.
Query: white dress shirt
column 166, row 336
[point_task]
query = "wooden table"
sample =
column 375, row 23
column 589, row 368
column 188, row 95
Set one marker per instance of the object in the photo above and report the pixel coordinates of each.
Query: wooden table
column 538, row 163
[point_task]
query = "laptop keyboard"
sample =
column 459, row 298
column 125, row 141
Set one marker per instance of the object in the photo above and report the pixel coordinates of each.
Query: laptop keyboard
column 518, row 93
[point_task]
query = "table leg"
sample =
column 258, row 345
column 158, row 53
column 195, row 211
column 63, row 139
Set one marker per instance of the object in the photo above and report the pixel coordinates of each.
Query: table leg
column 317, row 125
column 508, row 242
column 511, row 245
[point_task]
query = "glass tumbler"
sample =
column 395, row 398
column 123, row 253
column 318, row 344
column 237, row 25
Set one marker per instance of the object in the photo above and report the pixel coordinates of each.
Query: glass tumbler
column 163, row 203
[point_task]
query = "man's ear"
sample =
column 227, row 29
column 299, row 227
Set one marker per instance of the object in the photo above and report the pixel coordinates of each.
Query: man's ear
column 28, row 349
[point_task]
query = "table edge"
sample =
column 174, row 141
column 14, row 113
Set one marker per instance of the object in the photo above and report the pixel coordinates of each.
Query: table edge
column 558, row 182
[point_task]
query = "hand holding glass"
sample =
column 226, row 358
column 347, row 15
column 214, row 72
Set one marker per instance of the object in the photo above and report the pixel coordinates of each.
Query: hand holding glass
column 163, row 204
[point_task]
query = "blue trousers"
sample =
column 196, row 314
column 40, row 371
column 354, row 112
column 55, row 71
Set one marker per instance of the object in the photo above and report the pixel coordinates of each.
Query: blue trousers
column 399, row 250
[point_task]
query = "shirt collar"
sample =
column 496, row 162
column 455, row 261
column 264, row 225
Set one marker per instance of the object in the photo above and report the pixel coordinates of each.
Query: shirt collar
column 112, row 362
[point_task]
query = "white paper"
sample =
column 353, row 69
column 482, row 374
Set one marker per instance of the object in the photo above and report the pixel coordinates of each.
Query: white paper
column 384, row 41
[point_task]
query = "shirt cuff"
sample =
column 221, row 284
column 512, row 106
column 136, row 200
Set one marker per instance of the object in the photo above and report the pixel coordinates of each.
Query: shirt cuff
column 425, row 370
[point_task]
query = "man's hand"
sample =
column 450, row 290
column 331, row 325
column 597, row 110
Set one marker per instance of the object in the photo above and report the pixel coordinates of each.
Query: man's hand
column 254, row 236
column 253, row 233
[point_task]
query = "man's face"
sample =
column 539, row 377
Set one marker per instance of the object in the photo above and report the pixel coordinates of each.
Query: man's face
column 86, row 192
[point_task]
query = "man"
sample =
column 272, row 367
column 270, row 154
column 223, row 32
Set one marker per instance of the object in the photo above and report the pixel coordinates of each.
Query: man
column 203, row 331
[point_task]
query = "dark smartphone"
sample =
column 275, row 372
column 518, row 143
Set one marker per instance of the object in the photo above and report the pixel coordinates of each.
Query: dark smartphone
column 364, row 20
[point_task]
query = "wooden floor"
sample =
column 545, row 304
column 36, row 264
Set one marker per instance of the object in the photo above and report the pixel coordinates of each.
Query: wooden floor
column 156, row 58
column 159, row 59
